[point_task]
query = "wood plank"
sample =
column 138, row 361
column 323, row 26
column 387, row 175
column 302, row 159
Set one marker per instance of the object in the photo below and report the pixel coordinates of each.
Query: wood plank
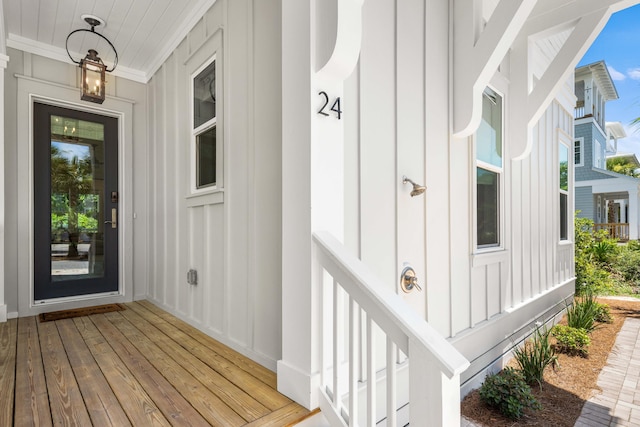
column 206, row 349
column 102, row 405
column 136, row 403
column 263, row 374
column 65, row 399
column 8, row 332
column 210, row 406
column 31, row 399
column 285, row 416
column 238, row 400
column 175, row 408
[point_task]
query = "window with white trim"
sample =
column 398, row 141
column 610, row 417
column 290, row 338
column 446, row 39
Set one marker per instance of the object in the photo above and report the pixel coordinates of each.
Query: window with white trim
column 578, row 150
column 204, row 126
column 563, row 160
column 489, row 172
column 598, row 155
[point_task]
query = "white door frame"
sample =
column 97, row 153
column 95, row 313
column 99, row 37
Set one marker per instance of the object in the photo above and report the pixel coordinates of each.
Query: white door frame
column 31, row 90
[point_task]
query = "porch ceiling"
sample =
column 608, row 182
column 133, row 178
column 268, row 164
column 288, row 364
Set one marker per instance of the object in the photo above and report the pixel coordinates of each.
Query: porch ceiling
column 144, row 32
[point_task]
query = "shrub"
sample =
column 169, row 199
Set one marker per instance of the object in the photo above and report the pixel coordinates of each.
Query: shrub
column 603, row 314
column 633, row 245
column 590, row 273
column 583, row 313
column 571, row 340
column 628, row 266
column 508, row 392
column 604, row 250
column 535, row 355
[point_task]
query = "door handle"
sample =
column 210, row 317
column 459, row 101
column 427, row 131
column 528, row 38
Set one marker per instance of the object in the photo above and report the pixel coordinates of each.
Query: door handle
column 114, row 218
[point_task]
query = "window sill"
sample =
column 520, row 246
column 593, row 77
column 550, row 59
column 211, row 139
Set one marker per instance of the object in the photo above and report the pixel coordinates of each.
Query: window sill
column 499, row 255
column 212, row 197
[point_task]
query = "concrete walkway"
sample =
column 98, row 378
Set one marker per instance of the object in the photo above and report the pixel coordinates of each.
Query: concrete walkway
column 619, row 402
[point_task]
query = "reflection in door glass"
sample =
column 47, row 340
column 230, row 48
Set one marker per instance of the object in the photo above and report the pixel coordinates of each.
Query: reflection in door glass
column 77, row 189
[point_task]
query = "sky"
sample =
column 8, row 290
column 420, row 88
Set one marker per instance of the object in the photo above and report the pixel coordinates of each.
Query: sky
column 69, row 151
column 619, row 46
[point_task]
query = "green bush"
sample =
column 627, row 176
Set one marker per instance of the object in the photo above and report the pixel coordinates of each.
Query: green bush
column 535, row 355
column 604, row 250
column 633, row 245
column 603, row 314
column 591, row 250
column 571, row 341
column 582, row 314
column 508, row 392
column 628, row 266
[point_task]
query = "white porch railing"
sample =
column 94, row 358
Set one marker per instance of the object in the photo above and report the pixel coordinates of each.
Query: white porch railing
column 347, row 359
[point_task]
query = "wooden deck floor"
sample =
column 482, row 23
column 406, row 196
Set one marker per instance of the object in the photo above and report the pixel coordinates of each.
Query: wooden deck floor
column 137, row 367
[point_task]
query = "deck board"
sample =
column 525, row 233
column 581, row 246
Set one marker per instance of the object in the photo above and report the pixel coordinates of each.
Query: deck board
column 8, row 332
column 102, row 404
column 237, row 399
column 135, row 401
column 137, row 367
column 210, row 406
column 170, row 402
column 222, row 360
column 263, row 374
column 61, row 383
column 31, row 398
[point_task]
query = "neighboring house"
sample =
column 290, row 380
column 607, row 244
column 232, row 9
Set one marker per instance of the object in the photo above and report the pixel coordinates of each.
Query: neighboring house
column 262, row 143
column 608, row 198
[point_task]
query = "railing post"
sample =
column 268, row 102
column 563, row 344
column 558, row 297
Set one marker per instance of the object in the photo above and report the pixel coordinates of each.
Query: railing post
column 435, row 398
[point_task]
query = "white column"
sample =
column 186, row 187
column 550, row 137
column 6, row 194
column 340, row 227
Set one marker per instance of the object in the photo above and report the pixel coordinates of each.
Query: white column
column 295, row 368
column 4, row 59
column 312, row 169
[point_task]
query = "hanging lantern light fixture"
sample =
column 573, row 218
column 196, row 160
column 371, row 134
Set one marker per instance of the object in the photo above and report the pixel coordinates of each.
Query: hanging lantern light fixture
column 93, row 68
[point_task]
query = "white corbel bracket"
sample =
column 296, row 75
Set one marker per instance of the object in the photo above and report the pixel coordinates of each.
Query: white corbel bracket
column 475, row 62
column 532, row 100
column 348, row 42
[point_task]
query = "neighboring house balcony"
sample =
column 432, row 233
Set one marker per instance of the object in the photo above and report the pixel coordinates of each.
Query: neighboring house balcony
column 615, row 230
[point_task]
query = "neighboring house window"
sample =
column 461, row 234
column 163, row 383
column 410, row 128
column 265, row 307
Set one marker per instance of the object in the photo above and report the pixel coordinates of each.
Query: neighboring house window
column 204, row 126
column 578, row 149
column 489, row 171
column 597, row 155
column 563, row 156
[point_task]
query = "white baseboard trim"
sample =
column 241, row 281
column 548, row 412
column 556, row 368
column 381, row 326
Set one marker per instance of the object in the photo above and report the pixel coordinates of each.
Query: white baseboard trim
column 12, row 315
column 297, row 385
column 3, row 313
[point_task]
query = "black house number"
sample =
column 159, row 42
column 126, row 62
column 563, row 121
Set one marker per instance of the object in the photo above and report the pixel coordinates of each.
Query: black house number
column 335, row 107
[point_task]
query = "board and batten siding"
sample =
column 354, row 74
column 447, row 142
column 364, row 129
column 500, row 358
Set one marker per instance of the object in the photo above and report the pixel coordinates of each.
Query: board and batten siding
column 385, row 133
column 391, row 131
column 231, row 236
column 397, row 123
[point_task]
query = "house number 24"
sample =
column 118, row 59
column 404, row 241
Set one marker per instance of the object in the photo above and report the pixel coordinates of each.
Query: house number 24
column 335, row 107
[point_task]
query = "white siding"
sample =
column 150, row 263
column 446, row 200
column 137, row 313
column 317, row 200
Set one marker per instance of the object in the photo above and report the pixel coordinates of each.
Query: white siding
column 232, row 237
column 397, row 123
column 384, row 140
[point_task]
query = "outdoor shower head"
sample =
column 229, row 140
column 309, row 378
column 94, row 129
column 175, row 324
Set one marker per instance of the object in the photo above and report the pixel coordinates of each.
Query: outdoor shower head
column 417, row 188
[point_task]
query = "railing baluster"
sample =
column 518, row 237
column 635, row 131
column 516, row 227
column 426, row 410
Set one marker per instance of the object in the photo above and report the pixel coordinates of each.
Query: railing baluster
column 371, row 374
column 433, row 368
column 392, row 400
column 354, row 361
column 337, row 342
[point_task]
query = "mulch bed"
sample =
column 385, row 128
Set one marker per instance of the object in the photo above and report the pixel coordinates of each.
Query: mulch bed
column 569, row 386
